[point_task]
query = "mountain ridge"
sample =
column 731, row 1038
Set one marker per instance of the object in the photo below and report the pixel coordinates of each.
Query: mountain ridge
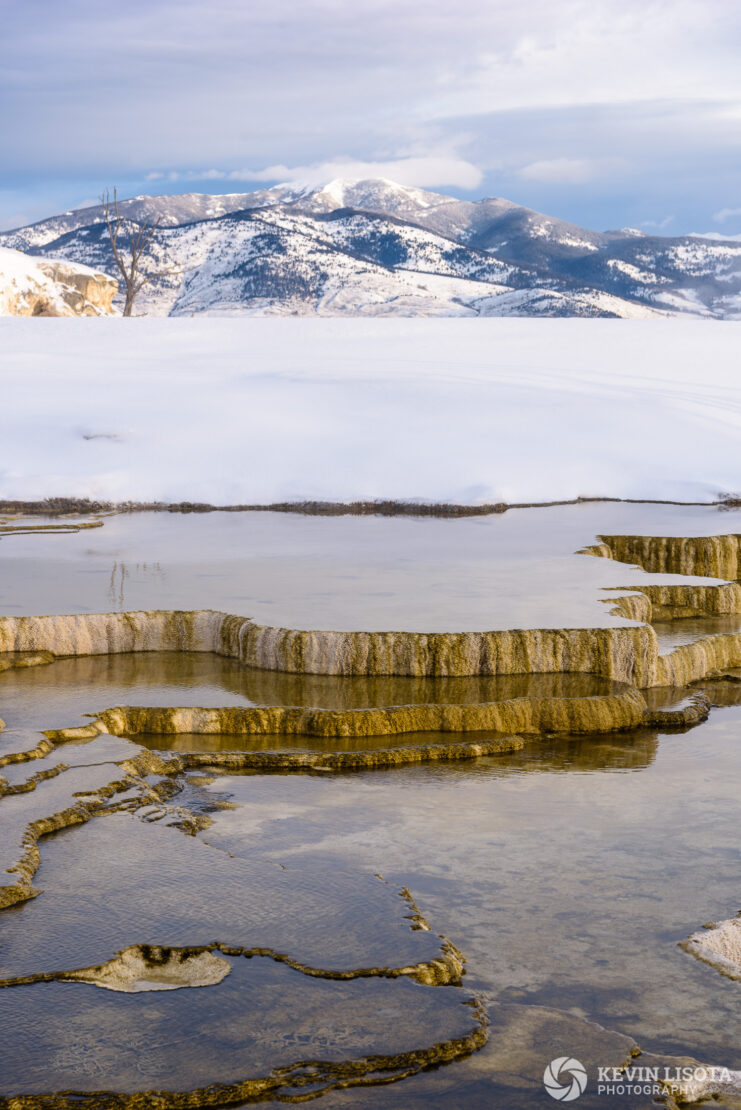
column 373, row 247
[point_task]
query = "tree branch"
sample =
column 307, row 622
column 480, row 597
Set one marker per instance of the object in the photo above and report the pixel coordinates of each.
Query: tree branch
column 140, row 241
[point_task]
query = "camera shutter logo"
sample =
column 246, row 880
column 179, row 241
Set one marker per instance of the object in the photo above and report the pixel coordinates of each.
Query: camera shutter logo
column 565, row 1079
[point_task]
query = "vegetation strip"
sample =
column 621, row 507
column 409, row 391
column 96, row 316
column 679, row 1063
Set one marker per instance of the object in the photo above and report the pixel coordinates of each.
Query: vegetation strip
column 56, row 506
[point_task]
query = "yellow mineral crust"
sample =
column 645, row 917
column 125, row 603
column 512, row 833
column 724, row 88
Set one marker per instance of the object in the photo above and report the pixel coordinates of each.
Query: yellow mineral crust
column 17, row 660
column 106, row 633
column 675, row 602
column 300, row 1082
column 701, row 556
column 692, row 662
column 629, row 655
column 526, row 715
column 623, row 654
column 373, row 759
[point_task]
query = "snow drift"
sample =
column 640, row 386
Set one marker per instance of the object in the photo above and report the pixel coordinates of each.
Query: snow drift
column 234, row 411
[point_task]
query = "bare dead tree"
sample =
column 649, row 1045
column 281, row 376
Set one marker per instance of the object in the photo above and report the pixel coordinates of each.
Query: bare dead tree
column 129, row 260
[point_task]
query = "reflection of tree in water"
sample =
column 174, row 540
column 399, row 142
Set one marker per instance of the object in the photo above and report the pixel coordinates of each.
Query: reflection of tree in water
column 121, row 573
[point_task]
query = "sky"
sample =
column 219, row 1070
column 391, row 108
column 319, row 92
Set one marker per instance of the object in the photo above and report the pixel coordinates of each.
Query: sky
column 608, row 113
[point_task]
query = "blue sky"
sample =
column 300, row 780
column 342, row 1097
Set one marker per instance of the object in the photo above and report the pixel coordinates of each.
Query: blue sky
column 602, row 112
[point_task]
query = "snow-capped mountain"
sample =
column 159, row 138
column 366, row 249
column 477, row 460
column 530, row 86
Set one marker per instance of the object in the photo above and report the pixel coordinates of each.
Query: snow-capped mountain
column 377, row 248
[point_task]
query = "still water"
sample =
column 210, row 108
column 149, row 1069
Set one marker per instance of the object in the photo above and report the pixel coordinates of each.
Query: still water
column 515, row 570
column 566, row 873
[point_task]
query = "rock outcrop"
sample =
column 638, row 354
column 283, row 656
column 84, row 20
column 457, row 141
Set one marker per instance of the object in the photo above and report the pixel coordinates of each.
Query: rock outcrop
column 718, row 945
column 51, row 287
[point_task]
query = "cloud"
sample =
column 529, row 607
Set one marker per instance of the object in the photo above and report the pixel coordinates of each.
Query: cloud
column 569, row 171
column 323, row 87
column 726, row 214
column 658, row 224
column 297, row 83
column 717, row 235
column 579, row 52
column 422, row 171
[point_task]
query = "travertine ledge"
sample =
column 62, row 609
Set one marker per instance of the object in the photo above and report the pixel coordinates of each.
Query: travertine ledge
column 701, row 556
column 299, row 1081
column 629, row 655
column 661, row 603
column 529, row 715
column 366, row 760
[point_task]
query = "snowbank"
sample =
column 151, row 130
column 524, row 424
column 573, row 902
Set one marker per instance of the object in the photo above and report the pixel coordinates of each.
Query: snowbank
column 260, row 410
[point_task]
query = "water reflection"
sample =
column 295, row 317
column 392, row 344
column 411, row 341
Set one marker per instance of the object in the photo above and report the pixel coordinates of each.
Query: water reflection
column 51, row 695
column 673, row 634
column 599, row 752
column 568, row 872
column 513, row 570
column 120, row 576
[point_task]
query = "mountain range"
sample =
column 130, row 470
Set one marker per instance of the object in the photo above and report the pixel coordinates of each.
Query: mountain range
column 376, row 248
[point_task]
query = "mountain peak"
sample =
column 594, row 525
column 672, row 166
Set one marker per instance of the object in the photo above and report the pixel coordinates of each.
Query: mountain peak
column 373, row 246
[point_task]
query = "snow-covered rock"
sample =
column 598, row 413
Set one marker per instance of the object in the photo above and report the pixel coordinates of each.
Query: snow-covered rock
column 40, row 287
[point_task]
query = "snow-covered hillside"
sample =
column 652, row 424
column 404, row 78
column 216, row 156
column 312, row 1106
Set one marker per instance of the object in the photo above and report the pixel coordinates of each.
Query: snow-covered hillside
column 37, row 287
column 378, row 248
column 258, row 411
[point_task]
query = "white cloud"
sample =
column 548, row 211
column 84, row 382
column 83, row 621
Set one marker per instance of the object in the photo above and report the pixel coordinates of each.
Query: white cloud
column 658, row 224
column 717, row 235
column 580, row 52
column 422, row 171
column 726, row 214
column 570, row 171
column 324, row 87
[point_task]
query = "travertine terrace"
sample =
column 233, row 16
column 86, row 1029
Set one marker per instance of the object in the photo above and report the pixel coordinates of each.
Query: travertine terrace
column 478, row 694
